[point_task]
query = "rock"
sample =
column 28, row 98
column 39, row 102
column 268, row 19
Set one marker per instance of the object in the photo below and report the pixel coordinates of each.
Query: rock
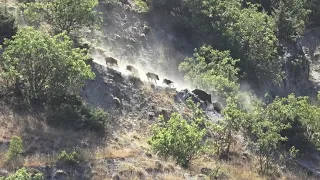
column 151, row 115
column 146, row 29
column 132, row 40
column 149, row 155
column 3, row 172
column 201, row 177
column 245, row 156
column 141, row 175
column 115, row 177
column 60, row 175
column 205, row 171
column 188, row 176
column 158, row 165
column 117, row 102
column 117, row 37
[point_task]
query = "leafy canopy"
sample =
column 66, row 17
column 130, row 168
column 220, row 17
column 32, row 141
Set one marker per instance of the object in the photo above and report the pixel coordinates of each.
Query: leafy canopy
column 291, row 17
column 48, row 66
column 212, row 70
column 63, row 15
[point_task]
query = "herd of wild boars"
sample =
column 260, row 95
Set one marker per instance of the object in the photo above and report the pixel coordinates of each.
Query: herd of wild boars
column 110, row 61
column 200, row 94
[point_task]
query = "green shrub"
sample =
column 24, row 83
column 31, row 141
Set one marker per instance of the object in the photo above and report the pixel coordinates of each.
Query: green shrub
column 22, row 174
column 69, row 158
column 141, row 6
column 71, row 112
column 15, row 149
column 8, row 26
column 177, row 139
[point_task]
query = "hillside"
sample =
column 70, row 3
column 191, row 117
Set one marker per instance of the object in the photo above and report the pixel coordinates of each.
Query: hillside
column 66, row 113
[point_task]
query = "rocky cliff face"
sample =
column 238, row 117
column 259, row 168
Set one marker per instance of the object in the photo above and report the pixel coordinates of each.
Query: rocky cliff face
column 148, row 42
column 301, row 65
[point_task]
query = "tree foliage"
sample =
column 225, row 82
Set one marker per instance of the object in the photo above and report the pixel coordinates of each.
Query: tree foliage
column 67, row 15
column 63, row 15
column 291, row 17
column 291, row 121
column 253, row 41
column 47, row 66
column 22, row 174
column 212, row 70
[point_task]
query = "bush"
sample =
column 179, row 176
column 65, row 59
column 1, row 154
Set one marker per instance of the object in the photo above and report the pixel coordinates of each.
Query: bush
column 141, row 6
column 22, row 174
column 71, row 112
column 69, row 158
column 8, row 26
column 15, row 149
column 177, row 139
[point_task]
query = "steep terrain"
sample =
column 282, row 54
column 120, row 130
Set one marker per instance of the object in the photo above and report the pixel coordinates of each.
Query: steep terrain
column 123, row 153
column 151, row 44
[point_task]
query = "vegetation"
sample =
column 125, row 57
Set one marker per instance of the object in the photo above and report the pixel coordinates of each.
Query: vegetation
column 240, row 41
column 178, row 138
column 212, row 70
column 47, row 66
column 71, row 112
column 68, row 158
column 62, row 15
column 291, row 17
column 8, row 26
column 15, row 149
column 22, row 174
column 68, row 15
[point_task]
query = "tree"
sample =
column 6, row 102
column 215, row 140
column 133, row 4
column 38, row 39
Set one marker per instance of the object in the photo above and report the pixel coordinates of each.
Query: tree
column 252, row 39
column 291, row 120
column 177, row 139
column 47, row 66
column 63, row 15
column 68, row 15
column 212, row 70
column 8, row 26
column 250, row 36
column 291, row 17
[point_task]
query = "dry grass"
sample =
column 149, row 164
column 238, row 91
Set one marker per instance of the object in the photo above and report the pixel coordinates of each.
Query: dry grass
column 161, row 97
column 109, row 153
column 242, row 173
column 172, row 177
column 39, row 160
